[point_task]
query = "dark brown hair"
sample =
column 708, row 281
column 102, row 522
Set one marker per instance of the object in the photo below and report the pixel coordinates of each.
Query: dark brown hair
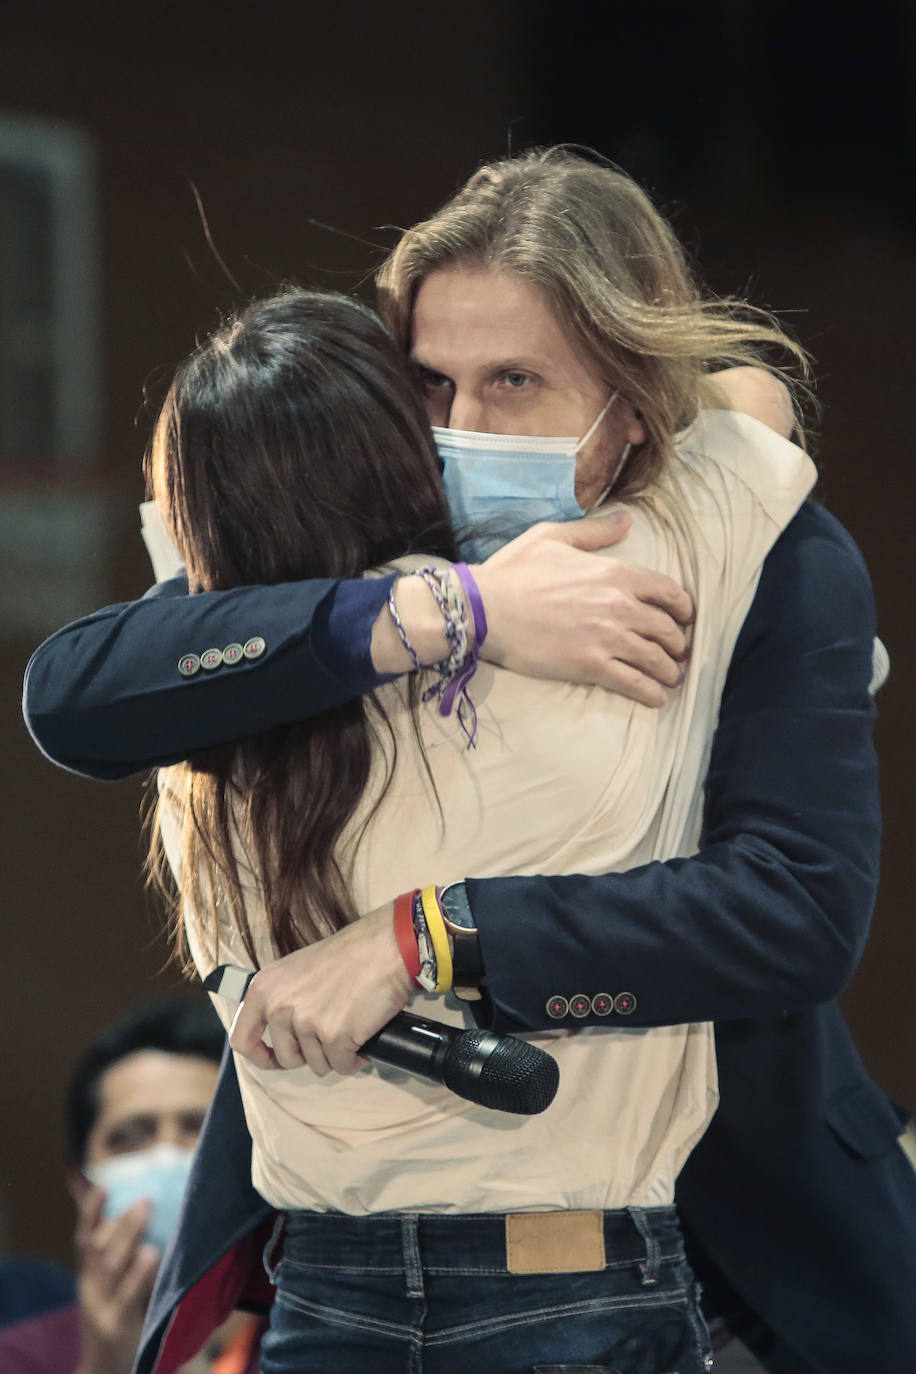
column 292, row 444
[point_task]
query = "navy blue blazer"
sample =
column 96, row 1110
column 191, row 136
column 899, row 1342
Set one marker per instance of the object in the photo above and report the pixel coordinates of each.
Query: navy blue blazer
column 798, row 1193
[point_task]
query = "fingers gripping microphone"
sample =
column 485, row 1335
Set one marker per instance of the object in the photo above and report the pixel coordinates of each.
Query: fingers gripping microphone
column 495, row 1071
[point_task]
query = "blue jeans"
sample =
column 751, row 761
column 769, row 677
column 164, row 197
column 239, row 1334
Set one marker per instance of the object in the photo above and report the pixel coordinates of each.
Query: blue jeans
column 402, row 1293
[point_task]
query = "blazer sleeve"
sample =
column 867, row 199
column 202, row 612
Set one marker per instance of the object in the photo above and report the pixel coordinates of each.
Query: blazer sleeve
column 105, row 697
column 772, row 914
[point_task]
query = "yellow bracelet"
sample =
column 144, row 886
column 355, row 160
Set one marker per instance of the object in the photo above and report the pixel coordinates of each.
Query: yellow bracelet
column 439, row 937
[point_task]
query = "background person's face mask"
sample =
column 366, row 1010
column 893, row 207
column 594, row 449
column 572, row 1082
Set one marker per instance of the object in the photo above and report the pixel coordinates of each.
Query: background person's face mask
column 498, row 485
column 158, row 1174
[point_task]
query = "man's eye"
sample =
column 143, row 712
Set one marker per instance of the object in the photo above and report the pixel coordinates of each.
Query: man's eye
column 515, row 381
column 434, row 381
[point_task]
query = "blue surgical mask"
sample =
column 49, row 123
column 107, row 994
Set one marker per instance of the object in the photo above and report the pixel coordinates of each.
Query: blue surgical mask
column 158, row 1174
column 498, row 485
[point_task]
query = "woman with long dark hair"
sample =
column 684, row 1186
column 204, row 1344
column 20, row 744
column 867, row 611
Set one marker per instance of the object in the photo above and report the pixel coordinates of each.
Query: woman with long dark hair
column 293, row 445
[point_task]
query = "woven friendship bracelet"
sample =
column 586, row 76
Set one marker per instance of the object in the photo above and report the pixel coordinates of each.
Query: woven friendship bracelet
column 475, row 601
column 455, row 622
column 454, row 691
column 448, row 587
column 399, row 625
column 429, row 969
column 456, row 671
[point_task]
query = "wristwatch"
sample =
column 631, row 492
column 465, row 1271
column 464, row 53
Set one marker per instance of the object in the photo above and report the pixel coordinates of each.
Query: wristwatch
column 467, row 964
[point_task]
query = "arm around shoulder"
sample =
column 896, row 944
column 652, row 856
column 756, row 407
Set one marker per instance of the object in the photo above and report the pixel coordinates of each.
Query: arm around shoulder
column 129, row 687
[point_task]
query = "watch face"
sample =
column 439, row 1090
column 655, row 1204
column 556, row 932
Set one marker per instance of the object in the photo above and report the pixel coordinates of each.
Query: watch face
column 456, row 909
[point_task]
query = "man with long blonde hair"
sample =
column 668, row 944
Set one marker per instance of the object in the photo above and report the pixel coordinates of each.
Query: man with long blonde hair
column 797, row 1192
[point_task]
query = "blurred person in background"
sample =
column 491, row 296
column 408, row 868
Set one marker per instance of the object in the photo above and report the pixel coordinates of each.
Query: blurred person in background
column 135, row 1108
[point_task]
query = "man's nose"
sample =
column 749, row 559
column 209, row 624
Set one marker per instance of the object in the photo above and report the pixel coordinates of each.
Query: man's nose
column 468, row 412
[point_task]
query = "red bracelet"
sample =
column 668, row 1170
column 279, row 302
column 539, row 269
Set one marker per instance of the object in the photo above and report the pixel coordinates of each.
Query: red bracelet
column 404, row 932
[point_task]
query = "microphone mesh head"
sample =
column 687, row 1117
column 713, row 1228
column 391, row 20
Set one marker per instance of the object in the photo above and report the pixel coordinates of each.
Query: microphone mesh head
column 501, row 1072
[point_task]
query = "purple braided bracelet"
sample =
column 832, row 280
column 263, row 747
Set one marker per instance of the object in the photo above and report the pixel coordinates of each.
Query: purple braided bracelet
column 475, row 600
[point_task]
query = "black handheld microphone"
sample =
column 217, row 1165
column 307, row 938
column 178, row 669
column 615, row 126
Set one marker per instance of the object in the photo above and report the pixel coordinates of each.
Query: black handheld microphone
column 492, row 1070
column 495, row 1071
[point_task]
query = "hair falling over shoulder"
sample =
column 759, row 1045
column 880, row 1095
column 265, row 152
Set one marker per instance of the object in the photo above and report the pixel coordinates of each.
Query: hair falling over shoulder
column 291, row 445
column 614, row 274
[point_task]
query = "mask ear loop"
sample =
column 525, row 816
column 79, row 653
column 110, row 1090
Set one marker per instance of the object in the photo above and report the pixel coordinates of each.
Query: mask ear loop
column 585, row 438
column 617, row 471
column 627, row 448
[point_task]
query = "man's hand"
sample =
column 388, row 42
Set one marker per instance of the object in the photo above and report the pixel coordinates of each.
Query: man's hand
column 116, row 1274
column 556, row 612
column 321, row 1003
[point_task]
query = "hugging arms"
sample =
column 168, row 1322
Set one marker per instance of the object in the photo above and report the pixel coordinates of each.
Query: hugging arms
column 759, row 930
column 773, row 874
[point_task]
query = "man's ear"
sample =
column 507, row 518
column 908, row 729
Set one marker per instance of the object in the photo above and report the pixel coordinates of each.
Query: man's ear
column 636, row 429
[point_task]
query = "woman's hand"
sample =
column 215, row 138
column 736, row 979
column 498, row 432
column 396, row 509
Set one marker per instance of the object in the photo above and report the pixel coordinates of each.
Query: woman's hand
column 322, row 1003
column 556, row 611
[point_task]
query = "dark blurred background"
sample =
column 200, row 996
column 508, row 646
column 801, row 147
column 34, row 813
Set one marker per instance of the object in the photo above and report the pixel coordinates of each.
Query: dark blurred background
column 778, row 136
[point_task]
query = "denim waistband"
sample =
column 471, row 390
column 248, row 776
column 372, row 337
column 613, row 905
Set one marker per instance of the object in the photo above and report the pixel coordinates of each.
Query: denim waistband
column 466, row 1242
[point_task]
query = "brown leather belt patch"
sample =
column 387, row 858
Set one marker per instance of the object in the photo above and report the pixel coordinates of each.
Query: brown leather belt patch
column 554, row 1242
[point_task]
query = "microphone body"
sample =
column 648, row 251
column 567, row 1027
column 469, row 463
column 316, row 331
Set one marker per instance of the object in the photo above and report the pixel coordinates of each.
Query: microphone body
column 495, row 1071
